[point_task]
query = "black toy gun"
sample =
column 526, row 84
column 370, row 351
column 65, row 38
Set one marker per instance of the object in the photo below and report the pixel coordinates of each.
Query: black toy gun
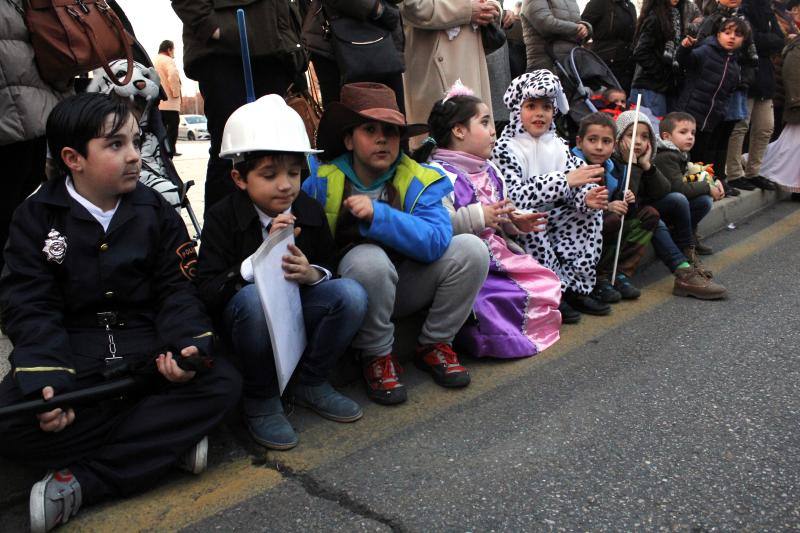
column 120, row 379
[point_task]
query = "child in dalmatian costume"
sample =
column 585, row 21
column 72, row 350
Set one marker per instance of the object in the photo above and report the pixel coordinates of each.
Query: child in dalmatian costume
column 143, row 93
column 541, row 174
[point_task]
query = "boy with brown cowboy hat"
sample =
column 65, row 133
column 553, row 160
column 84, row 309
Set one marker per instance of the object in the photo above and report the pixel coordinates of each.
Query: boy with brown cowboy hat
column 394, row 235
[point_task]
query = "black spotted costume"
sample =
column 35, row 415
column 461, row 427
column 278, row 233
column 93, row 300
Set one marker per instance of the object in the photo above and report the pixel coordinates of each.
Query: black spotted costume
column 535, row 172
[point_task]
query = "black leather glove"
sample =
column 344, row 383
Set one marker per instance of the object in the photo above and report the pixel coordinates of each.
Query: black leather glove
column 389, row 18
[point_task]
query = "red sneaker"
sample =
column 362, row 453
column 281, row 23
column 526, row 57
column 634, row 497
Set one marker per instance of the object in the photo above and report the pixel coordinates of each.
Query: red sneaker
column 383, row 382
column 441, row 362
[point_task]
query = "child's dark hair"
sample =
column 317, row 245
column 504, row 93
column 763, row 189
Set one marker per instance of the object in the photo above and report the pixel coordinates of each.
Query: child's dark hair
column 252, row 160
column 738, row 23
column 596, row 119
column 792, row 3
column 78, row 119
column 670, row 121
column 444, row 116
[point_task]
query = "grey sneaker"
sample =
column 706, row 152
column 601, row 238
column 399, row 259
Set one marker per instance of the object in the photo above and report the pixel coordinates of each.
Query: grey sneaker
column 268, row 424
column 327, row 402
column 54, row 500
column 195, row 460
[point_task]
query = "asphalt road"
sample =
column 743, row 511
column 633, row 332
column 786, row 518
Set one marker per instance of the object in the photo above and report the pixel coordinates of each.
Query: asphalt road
column 671, row 414
column 684, row 418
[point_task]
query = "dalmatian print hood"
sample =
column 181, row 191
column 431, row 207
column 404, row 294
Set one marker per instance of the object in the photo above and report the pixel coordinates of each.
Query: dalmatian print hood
column 546, row 153
column 537, row 84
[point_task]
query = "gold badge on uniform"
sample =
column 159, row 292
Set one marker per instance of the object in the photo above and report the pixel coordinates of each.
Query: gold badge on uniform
column 55, row 246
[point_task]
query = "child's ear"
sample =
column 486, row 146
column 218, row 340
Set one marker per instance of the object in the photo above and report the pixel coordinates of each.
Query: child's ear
column 348, row 141
column 72, row 158
column 238, row 180
column 458, row 132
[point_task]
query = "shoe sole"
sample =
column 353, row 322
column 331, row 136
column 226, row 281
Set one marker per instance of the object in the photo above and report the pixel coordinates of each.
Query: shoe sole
column 575, row 320
column 36, row 506
column 200, row 461
column 329, row 416
column 464, row 379
column 393, row 397
column 269, row 444
column 593, row 313
column 683, row 292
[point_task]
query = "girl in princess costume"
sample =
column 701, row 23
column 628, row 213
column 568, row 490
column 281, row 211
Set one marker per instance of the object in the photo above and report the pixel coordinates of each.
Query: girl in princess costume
column 516, row 311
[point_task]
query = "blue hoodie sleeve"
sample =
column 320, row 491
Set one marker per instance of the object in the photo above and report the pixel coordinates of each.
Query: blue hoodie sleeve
column 422, row 236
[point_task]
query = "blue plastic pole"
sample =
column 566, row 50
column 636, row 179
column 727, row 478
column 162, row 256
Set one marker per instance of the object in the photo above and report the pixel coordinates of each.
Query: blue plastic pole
column 248, row 71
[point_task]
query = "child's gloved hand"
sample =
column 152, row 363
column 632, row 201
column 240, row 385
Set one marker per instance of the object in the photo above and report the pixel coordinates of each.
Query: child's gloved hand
column 618, row 207
column 585, row 174
column 496, row 213
column 168, row 367
column 296, row 267
column 529, row 222
column 597, row 198
column 360, row 205
column 57, row 419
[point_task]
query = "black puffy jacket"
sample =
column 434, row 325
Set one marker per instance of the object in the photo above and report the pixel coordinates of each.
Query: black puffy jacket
column 614, row 23
column 653, row 71
column 712, row 74
column 769, row 41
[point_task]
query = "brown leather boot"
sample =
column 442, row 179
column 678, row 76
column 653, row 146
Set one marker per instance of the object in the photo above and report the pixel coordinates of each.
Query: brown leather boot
column 691, row 255
column 700, row 248
column 690, row 282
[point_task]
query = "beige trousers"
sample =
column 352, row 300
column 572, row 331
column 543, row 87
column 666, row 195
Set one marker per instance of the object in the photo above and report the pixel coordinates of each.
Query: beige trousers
column 760, row 122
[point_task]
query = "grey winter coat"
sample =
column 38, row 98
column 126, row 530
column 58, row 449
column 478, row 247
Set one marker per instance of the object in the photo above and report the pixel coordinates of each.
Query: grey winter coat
column 25, row 100
column 550, row 21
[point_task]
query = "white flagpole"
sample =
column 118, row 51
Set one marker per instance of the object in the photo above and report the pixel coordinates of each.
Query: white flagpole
column 627, row 184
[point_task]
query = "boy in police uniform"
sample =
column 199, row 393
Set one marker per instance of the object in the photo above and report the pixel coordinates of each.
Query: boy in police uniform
column 99, row 273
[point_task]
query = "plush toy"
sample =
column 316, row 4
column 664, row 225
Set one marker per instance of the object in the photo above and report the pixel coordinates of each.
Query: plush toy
column 700, row 172
column 142, row 94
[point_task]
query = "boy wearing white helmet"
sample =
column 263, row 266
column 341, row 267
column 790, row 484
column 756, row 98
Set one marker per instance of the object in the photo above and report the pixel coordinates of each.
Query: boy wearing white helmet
column 267, row 142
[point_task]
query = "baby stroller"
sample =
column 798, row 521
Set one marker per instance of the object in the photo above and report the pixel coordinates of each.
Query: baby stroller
column 144, row 92
column 582, row 74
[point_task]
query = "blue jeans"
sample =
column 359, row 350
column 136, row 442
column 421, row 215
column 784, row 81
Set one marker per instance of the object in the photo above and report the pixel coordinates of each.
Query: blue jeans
column 683, row 215
column 655, row 101
column 332, row 312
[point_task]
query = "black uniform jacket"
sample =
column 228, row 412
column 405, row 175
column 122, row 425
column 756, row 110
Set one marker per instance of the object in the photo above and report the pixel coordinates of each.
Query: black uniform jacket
column 232, row 233
column 62, row 269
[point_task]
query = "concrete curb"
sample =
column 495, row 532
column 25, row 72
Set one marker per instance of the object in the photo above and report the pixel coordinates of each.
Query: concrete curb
column 18, row 480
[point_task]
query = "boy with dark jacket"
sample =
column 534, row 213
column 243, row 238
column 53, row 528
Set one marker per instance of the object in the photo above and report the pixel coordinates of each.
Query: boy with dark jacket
column 98, row 279
column 677, row 139
column 712, row 74
column 266, row 173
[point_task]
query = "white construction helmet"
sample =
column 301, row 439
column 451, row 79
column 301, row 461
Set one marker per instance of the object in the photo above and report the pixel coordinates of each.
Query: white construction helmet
column 268, row 124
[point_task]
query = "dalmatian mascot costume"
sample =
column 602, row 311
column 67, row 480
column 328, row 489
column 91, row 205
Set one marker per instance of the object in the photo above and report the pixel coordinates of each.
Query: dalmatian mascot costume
column 534, row 170
column 143, row 94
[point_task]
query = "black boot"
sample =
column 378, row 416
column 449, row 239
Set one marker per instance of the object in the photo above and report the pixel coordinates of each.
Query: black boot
column 584, row 303
column 568, row 314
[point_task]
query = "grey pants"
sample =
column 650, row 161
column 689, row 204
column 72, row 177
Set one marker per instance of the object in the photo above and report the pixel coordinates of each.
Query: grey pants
column 761, row 123
column 448, row 286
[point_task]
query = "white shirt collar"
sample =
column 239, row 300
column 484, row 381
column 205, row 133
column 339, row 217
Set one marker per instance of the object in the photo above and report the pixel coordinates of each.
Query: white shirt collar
column 103, row 217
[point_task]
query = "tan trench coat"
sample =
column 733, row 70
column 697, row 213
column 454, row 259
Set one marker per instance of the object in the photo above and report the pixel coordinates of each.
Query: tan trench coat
column 433, row 61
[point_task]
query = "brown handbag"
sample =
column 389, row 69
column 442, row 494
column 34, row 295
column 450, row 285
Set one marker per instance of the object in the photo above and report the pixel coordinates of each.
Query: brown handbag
column 307, row 107
column 72, row 37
